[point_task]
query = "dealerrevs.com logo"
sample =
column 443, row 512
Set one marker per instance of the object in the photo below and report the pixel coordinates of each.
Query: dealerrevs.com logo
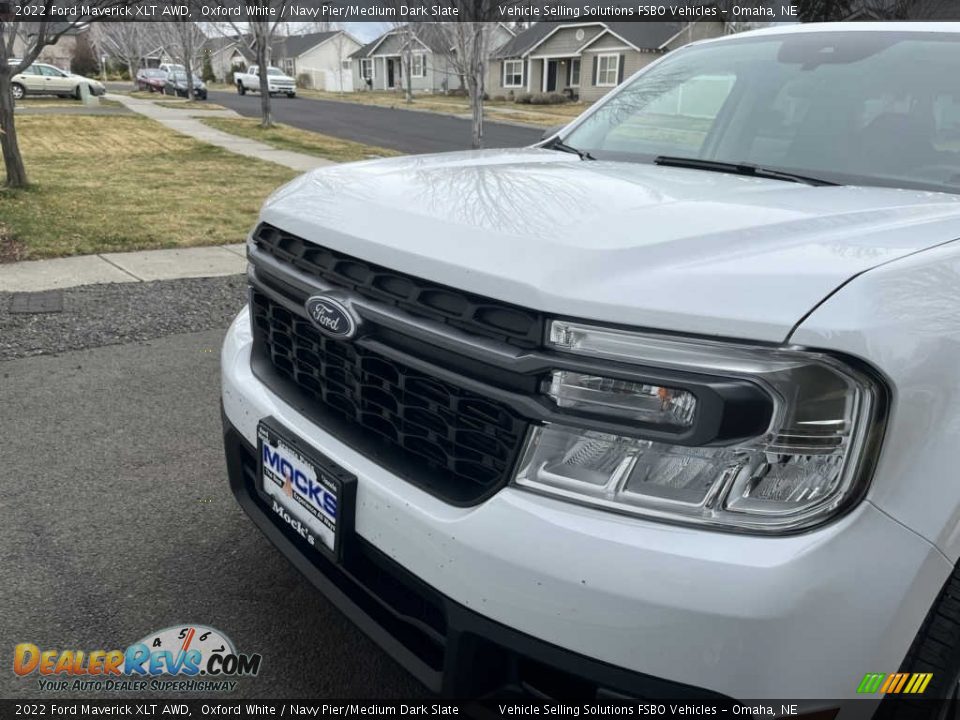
column 176, row 659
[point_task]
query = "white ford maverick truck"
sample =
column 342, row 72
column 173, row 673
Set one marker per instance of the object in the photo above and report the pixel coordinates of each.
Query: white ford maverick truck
column 666, row 406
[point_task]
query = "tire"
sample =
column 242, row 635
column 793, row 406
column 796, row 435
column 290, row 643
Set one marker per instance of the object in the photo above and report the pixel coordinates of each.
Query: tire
column 240, row 88
column 291, row 95
column 936, row 648
column 17, row 91
column 76, row 93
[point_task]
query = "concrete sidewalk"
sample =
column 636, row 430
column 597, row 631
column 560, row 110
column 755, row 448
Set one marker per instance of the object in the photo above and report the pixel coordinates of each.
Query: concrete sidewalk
column 187, row 123
column 126, row 267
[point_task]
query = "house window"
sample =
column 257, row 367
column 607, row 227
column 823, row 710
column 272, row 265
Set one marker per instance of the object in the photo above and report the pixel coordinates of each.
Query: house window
column 608, row 70
column 513, row 73
column 418, row 65
column 575, row 72
column 345, row 64
column 366, row 68
column 288, row 66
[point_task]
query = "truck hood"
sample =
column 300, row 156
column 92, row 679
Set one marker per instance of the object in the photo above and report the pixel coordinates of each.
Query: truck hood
column 653, row 247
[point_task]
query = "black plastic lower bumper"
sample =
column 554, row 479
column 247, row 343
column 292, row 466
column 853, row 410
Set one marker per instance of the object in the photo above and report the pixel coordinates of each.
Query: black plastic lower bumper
column 451, row 649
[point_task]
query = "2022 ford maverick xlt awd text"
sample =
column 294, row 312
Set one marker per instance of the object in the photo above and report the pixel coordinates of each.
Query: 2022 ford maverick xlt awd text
column 665, row 406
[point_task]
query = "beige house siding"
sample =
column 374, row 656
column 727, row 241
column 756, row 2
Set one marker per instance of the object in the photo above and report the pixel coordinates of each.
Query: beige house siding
column 632, row 62
column 59, row 55
column 607, row 42
column 597, row 40
column 494, row 83
column 564, row 42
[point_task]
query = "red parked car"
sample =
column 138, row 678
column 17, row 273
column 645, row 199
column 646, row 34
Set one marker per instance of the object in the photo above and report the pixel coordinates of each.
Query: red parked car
column 151, row 79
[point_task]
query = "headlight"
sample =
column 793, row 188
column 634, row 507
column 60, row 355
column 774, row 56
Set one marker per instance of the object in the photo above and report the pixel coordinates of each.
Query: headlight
column 810, row 461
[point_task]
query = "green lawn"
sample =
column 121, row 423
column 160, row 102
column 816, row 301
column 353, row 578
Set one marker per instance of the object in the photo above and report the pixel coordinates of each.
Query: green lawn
column 114, row 183
column 303, row 141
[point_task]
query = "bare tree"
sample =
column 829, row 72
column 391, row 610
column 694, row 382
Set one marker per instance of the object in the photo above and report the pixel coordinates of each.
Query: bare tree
column 128, row 42
column 340, row 41
column 257, row 33
column 183, row 39
column 406, row 32
column 470, row 42
column 28, row 40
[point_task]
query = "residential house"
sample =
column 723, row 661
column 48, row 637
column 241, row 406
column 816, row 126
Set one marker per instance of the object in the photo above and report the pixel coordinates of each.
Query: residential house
column 226, row 55
column 586, row 59
column 319, row 60
column 60, row 53
column 379, row 65
column 322, row 59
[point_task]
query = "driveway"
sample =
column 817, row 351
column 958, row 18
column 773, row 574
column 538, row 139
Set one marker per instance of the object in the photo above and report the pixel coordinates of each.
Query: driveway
column 117, row 517
column 404, row 130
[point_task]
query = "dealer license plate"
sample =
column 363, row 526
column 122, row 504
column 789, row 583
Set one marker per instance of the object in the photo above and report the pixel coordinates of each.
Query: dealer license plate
column 310, row 493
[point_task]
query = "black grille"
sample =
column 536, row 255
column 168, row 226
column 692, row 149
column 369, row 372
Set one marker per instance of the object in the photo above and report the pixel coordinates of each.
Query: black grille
column 468, row 312
column 463, row 444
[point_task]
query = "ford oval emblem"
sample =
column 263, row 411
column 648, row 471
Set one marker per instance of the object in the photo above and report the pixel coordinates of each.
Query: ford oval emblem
column 331, row 317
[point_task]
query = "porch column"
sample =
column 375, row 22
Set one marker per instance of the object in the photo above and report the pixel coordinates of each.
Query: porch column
column 543, row 80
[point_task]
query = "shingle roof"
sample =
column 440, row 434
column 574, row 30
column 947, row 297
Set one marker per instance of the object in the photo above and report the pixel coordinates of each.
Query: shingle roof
column 428, row 33
column 525, row 40
column 644, row 35
column 295, row 45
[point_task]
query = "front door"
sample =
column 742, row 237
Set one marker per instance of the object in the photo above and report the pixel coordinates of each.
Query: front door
column 390, row 74
column 551, row 76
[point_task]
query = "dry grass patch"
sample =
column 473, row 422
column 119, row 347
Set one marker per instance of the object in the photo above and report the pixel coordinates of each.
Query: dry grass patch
column 58, row 102
column 114, row 183
column 544, row 115
column 284, row 137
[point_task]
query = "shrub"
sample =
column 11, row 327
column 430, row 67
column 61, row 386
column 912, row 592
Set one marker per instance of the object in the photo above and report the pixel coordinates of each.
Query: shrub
column 551, row 98
column 523, row 98
column 457, row 92
column 84, row 62
column 304, row 80
column 207, row 74
column 499, row 98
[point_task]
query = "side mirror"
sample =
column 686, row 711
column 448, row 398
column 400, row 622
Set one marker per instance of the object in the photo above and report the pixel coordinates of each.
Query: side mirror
column 552, row 131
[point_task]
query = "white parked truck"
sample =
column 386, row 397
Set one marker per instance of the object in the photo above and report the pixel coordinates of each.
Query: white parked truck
column 277, row 81
column 666, row 406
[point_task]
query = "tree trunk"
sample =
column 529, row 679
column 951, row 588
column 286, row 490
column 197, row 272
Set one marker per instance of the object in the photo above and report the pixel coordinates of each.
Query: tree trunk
column 409, row 79
column 475, row 88
column 12, row 160
column 266, row 117
column 188, row 59
column 132, row 69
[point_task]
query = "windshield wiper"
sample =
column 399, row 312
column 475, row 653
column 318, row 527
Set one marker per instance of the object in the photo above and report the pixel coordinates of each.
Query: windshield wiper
column 560, row 145
column 738, row 169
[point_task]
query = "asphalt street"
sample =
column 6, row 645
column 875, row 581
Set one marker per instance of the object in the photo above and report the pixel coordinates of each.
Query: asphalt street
column 116, row 515
column 404, row 130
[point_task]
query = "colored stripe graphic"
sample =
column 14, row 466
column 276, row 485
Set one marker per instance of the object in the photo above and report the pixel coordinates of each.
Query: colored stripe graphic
column 871, row 682
column 895, row 683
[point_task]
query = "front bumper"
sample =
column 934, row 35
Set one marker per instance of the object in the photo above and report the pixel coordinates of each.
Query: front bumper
column 749, row 617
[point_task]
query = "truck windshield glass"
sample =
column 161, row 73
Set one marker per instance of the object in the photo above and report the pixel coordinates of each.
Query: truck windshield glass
column 861, row 108
column 274, row 71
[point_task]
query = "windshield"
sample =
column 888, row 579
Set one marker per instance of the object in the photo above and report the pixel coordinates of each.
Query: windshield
column 274, row 71
column 870, row 108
